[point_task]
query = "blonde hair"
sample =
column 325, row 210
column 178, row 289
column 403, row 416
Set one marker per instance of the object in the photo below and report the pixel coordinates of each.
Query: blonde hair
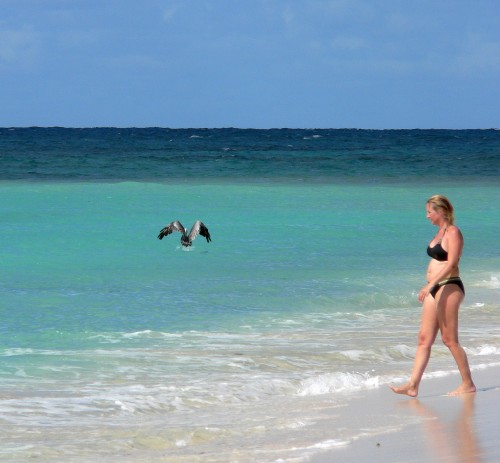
column 442, row 203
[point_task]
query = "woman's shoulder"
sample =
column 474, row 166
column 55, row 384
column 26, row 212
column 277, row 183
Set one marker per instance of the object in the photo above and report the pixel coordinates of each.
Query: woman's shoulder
column 454, row 232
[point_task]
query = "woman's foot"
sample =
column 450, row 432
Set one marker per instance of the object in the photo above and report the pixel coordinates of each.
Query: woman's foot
column 463, row 389
column 407, row 389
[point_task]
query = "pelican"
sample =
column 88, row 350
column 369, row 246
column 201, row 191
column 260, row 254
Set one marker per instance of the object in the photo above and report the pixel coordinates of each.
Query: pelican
column 199, row 228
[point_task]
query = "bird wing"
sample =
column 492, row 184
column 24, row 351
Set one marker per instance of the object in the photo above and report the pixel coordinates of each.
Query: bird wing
column 199, row 228
column 171, row 227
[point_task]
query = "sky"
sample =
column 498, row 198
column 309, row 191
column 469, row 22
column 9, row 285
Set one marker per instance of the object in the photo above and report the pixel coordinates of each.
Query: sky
column 377, row 64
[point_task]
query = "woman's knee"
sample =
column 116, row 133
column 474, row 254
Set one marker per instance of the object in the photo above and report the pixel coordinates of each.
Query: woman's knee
column 425, row 339
column 449, row 341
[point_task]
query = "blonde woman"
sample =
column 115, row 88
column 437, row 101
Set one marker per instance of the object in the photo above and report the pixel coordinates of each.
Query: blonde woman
column 441, row 298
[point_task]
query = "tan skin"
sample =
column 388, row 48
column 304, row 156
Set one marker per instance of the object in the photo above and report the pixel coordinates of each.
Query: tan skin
column 441, row 313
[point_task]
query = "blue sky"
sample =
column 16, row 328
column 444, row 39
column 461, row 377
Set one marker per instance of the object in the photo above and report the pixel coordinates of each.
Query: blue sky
column 250, row 63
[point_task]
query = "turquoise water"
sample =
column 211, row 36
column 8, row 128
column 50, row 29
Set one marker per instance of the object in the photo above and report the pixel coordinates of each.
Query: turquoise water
column 232, row 350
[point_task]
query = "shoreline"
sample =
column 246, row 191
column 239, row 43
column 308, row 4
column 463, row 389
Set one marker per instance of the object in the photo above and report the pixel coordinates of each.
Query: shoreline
column 434, row 427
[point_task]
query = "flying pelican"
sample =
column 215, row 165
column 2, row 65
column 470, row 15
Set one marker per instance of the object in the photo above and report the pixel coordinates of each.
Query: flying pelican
column 199, row 228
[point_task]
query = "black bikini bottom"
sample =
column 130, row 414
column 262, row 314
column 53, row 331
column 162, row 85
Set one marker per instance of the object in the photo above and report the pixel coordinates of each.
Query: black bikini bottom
column 450, row 281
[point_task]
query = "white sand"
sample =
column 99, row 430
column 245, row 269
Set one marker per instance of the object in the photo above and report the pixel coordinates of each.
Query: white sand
column 433, row 428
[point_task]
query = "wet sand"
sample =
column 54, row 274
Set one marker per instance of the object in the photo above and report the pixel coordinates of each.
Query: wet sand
column 434, row 427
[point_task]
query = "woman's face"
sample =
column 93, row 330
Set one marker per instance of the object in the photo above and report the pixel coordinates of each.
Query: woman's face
column 435, row 216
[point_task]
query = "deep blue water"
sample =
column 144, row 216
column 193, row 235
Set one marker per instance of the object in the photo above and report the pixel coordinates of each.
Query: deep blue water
column 280, row 155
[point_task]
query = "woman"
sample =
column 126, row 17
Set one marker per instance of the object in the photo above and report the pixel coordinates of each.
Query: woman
column 441, row 298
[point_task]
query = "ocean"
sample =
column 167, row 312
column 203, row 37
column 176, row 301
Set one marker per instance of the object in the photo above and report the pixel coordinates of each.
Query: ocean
column 118, row 347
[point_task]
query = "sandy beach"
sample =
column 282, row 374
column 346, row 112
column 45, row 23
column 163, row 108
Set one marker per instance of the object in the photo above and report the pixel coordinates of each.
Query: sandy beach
column 461, row 429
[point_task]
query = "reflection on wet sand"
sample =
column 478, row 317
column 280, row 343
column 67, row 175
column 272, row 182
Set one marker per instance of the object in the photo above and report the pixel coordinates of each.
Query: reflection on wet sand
column 451, row 437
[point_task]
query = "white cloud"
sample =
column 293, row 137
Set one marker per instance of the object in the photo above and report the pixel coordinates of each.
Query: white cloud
column 135, row 62
column 348, row 43
column 169, row 12
column 478, row 56
column 359, row 10
column 288, row 15
column 17, row 46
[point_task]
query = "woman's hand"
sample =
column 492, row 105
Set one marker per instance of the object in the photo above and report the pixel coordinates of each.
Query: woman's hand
column 424, row 292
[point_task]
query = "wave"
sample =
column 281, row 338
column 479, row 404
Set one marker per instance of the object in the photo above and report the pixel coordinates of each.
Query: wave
column 492, row 283
column 338, row 382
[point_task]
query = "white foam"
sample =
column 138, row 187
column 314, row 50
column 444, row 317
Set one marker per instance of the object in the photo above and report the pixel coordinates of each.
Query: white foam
column 353, row 354
column 329, row 444
column 487, row 350
column 17, row 351
column 492, row 283
column 338, row 382
column 137, row 334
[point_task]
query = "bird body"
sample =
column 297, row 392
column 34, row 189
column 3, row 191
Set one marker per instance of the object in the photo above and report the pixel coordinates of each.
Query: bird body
column 198, row 228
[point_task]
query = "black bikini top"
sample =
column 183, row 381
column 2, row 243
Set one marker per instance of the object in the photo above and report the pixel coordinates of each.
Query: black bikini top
column 437, row 252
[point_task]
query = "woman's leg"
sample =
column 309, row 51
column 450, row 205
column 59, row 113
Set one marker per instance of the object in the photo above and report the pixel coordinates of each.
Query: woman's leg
column 448, row 305
column 426, row 337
